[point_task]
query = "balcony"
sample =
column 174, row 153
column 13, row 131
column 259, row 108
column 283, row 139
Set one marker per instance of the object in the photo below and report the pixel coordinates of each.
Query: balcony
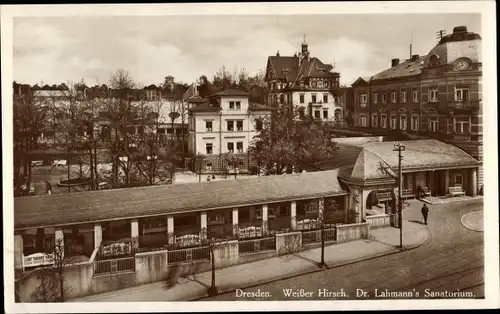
column 464, row 105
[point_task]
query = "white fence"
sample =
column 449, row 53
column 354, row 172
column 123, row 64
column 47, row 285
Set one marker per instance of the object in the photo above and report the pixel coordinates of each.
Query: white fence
column 38, row 259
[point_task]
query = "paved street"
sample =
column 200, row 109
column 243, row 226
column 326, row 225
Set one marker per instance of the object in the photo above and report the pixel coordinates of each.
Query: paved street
column 452, row 259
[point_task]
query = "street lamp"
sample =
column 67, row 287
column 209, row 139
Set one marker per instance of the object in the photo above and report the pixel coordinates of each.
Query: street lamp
column 398, row 147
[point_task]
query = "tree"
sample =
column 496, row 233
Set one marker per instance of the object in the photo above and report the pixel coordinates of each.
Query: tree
column 30, row 119
column 52, row 286
column 121, row 80
column 288, row 142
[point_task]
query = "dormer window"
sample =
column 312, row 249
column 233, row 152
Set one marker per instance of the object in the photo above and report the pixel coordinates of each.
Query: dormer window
column 434, row 60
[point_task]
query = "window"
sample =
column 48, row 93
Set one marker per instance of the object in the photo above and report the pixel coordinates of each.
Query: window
column 238, row 105
column 230, row 125
column 362, row 121
column 301, row 98
column 325, row 113
column 325, row 98
column 282, row 99
column 415, row 96
column 384, row 98
column 458, row 179
column 374, row 120
column 433, row 124
column 393, row 122
column 230, row 147
column 383, row 121
column 433, row 95
column 231, row 105
column 239, row 125
column 461, row 127
column 375, row 98
column 402, row 122
column 239, row 147
column 393, row 98
column 258, row 124
column 210, row 148
column 414, row 123
column 208, row 126
column 403, row 97
column 313, row 98
column 363, row 98
column 317, row 114
column 461, row 94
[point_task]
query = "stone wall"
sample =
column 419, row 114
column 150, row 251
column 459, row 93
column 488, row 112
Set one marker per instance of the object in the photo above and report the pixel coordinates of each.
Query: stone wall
column 353, row 232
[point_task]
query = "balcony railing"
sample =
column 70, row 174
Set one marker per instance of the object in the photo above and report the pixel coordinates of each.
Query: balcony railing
column 463, row 104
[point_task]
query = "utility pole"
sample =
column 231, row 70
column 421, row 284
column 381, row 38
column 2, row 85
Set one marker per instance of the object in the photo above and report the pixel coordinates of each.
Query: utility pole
column 398, row 147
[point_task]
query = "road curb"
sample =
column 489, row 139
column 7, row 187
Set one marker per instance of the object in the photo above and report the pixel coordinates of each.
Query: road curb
column 362, row 259
column 466, row 225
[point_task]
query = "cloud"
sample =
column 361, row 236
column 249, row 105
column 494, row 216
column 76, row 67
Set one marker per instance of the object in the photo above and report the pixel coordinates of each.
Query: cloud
column 152, row 47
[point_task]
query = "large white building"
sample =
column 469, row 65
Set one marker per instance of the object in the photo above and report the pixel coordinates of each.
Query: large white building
column 222, row 127
column 306, row 82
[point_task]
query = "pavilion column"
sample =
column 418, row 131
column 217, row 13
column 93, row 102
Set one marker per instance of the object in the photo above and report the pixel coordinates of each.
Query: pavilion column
column 134, row 233
column 446, row 181
column 203, row 225
column 170, row 230
column 346, row 207
column 364, row 198
column 59, row 243
column 473, row 182
column 251, row 214
column 321, row 209
column 18, row 251
column 293, row 215
column 97, row 235
column 264, row 219
column 235, row 222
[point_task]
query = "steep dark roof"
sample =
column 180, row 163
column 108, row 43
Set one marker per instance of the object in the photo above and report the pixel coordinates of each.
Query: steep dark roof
column 284, row 68
column 97, row 206
column 404, row 69
column 230, row 92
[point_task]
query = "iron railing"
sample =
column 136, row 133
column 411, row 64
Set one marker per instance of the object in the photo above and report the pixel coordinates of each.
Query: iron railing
column 256, row 245
column 113, row 266
column 188, row 255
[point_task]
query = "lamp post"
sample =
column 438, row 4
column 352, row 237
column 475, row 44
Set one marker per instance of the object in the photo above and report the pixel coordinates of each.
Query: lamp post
column 398, row 147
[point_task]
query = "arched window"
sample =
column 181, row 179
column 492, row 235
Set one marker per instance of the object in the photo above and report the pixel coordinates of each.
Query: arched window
column 275, row 99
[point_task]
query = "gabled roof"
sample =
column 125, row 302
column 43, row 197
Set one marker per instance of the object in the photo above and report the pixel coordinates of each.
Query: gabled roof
column 369, row 166
column 404, row 69
column 119, row 204
column 361, row 80
column 230, row 92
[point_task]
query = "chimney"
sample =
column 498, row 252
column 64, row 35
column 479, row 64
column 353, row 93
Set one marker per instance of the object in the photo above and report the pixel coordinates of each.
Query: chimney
column 277, row 53
column 394, row 62
column 460, row 30
column 414, row 58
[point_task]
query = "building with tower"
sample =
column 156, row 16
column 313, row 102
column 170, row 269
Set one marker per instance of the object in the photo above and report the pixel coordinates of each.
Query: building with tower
column 303, row 80
column 438, row 95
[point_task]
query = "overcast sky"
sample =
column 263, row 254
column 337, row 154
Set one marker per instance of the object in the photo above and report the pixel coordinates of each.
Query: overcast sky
column 60, row 49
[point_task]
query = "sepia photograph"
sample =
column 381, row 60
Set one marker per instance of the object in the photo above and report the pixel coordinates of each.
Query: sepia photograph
column 216, row 157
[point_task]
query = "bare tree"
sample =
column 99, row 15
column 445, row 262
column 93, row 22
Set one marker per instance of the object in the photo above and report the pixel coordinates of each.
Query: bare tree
column 121, row 80
column 52, row 286
column 30, row 119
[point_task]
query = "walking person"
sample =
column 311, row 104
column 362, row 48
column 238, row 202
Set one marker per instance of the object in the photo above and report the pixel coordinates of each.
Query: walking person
column 425, row 212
